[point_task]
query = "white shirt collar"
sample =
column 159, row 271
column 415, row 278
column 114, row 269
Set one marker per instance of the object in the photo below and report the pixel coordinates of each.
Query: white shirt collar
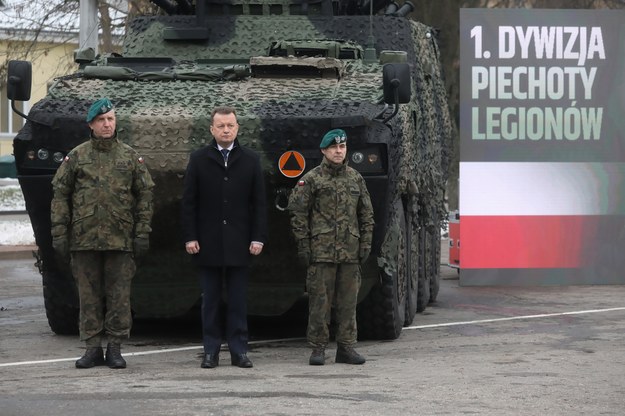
column 221, row 148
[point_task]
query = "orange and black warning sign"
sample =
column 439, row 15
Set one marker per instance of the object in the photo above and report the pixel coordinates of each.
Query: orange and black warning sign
column 291, row 164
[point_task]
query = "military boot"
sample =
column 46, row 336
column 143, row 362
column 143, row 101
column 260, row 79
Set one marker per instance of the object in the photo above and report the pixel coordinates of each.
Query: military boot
column 317, row 357
column 347, row 354
column 93, row 356
column 114, row 357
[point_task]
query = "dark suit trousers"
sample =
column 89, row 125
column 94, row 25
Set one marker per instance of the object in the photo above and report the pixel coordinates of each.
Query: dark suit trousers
column 235, row 279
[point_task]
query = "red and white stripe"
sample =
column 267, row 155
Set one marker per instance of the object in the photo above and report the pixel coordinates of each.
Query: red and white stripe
column 537, row 214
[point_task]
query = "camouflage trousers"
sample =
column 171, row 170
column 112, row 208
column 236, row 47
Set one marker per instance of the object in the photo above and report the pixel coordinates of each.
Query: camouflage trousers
column 103, row 279
column 332, row 286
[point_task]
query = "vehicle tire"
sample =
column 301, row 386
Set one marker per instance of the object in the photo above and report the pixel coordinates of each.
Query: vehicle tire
column 423, row 294
column 435, row 277
column 412, row 266
column 61, row 303
column 381, row 314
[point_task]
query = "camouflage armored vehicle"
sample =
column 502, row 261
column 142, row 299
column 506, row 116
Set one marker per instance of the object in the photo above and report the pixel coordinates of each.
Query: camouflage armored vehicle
column 294, row 70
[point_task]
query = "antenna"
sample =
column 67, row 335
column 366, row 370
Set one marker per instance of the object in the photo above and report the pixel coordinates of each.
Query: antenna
column 370, row 55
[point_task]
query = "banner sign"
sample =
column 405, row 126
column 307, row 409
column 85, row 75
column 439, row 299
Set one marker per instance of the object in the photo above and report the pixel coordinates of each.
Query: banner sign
column 542, row 146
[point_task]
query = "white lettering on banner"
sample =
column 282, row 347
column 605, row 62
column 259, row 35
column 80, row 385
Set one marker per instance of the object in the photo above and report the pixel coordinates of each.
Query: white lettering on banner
column 536, row 123
column 552, row 42
column 528, row 82
column 573, row 46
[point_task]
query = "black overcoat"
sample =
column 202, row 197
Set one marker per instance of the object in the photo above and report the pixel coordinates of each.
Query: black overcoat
column 224, row 208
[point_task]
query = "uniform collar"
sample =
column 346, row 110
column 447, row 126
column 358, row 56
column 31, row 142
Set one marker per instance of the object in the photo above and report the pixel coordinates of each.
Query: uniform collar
column 103, row 145
column 332, row 168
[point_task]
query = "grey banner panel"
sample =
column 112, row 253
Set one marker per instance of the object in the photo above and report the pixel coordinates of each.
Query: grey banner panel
column 542, row 85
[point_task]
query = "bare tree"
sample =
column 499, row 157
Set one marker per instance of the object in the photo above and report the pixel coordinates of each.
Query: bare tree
column 32, row 28
column 141, row 7
column 114, row 17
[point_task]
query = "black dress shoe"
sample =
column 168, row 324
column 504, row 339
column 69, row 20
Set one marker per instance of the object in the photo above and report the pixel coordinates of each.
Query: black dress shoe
column 241, row 360
column 210, row 361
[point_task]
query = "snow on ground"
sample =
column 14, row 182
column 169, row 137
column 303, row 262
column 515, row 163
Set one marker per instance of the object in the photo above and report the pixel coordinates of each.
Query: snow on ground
column 11, row 198
column 18, row 231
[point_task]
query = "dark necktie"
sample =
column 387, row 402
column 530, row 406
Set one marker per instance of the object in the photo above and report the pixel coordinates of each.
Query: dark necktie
column 225, row 153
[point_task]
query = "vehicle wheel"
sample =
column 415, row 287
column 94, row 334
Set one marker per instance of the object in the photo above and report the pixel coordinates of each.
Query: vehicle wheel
column 381, row 314
column 61, row 303
column 412, row 266
column 435, row 277
column 423, row 294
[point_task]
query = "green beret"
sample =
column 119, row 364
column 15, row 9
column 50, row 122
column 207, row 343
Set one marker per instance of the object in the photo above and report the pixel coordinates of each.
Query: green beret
column 102, row 106
column 335, row 136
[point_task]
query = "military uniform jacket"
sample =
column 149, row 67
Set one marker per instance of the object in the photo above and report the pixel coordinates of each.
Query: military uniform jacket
column 331, row 207
column 224, row 208
column 102, row 196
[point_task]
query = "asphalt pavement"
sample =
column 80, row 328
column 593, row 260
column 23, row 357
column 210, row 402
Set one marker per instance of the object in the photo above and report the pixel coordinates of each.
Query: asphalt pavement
column 477, row 351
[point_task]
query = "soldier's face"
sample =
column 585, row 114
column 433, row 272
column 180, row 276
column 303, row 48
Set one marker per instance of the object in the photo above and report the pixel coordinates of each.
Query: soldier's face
column 103, row 125
column 335, row 153
column 224, row 128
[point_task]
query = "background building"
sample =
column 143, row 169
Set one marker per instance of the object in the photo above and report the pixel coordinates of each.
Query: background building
column 46, row 33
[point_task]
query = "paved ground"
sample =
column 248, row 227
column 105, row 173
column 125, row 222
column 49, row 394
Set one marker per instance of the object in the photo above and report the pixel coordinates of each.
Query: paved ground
column 487, row 351
column 16, row 252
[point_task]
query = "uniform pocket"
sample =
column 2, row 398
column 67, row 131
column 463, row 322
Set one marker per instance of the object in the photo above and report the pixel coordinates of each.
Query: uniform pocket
column 320, row 229
column 352, row 246
column 83, row 222
column 85, row 168
column 322, row 243
column 82, row 212
column 122, row 216
column 354, row 232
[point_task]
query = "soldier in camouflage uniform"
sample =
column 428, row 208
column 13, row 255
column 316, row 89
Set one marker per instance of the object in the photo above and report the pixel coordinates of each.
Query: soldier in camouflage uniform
column 101, row 213
column 332, row 220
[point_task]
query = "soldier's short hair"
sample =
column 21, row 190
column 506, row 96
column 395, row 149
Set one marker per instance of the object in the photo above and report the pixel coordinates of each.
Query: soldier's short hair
column 223, row 110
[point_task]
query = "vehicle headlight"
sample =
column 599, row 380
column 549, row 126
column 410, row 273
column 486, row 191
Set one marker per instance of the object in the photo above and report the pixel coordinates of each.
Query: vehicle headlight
column 357, row 157
column 43, row 154
column 58, row 157
column 369, row 160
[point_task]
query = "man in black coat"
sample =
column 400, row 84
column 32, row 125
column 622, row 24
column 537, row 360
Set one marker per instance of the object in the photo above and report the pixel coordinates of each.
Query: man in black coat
column 224, row 225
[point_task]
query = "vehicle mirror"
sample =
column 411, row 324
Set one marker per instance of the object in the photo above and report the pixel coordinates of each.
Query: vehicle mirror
column 396, row 79
column 19, row 80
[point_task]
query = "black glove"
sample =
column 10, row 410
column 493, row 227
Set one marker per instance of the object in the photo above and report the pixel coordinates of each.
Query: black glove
column 61, row 249
column 303, row 252
column 364, row 253
column 140, row 246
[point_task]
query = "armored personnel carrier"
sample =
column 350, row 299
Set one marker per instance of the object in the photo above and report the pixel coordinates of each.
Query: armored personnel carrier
column 293, row 70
